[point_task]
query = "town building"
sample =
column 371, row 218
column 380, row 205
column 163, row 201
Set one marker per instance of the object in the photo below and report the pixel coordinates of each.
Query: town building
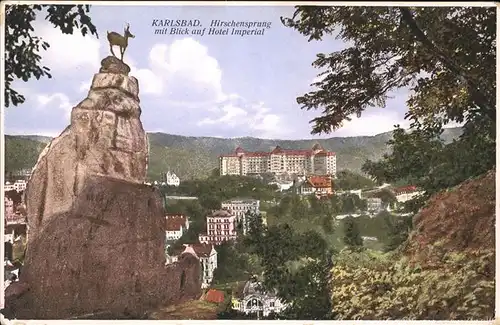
column 221, row 227
column 374, row 204
column 171, row 179
column 208, row 259
column 406, row 193
column 207, row 255
column 282, row 185
column 279, row 161
column 240, row 207
column 14, row 210
column 359, row 193
column 14, row 232
column 19, row 186
column 175, row 226
column 253, row 299
column 319, row 185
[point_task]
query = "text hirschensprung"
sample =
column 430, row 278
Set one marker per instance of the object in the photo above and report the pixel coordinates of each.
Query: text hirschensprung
column 244, row 24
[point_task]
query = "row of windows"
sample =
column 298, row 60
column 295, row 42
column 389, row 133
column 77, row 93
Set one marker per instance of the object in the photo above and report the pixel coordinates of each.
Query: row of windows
column 222, row 232
column 213, row 220
column 226, row 226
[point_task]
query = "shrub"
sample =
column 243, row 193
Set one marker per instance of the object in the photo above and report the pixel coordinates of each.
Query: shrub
column 368, row 286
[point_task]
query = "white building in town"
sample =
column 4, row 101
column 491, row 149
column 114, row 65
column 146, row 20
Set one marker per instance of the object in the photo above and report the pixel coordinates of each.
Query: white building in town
column 374, row 204
column 253, row 299
column 355, row 192
column 207, row 255
column 175, row 226
column 171, row 179
column 240, row 207
column 208, row 259
column 283, row 186
column 221, row 227
column 406, row 193
column 19, row 186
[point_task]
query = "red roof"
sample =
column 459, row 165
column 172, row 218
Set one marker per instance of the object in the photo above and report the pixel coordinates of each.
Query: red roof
column 214, row 296
column 222, row 213
column 174, row 222
column 257, row 154
column 202, row 250
column 320, row 181
column 280, row 151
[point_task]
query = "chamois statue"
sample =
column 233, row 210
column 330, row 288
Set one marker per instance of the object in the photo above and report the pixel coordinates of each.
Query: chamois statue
column 116, row 39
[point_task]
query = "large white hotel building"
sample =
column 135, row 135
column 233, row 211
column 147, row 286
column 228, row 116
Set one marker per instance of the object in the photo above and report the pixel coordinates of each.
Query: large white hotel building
column 315, row 161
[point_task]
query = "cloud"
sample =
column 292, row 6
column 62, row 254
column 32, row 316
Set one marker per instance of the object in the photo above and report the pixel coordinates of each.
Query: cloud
column 258, row 118
column 182, row 71
column 68, row 52
column 371, row 124
column 55, row 101
column 185, row 76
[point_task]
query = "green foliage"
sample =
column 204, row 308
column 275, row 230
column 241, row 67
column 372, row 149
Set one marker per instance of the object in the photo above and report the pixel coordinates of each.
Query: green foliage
column 185, row 163
column 422, row 159
column 348, row 180
column 351, row 203
column 387, row 196
column 369, row 286
column 309, row 292
column 398, row 230
column 428, row 49
column 21, row 153
column 255, row 226
column 23, row 47
column 352, row 236
column 434, row 53
column 305, row 287
column 235, row 263
column 213, row 190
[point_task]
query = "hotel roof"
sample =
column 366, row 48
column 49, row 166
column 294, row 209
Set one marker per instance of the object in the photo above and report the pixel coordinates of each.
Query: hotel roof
column 317, row 149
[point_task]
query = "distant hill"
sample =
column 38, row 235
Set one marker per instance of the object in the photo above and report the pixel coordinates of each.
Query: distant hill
column 196, row 157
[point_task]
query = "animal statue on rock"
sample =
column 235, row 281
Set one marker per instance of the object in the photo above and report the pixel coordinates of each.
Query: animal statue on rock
column 116, row 39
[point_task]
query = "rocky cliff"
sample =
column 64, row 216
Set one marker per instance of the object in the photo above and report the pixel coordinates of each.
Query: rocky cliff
column 459, row 219
column 105, row 137
column 96, row 232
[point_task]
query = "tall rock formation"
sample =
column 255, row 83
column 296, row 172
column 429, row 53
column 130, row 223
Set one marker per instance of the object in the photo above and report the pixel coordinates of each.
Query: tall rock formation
column 96, row 233
column 105, row 137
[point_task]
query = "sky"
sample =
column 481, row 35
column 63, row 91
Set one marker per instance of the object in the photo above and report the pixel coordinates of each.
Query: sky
column 193, row 85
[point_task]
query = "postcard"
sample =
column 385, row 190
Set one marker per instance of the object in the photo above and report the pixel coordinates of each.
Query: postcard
column 248, row 161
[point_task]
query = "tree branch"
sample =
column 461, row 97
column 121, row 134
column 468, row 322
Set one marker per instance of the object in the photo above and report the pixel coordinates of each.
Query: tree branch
column 480, row 99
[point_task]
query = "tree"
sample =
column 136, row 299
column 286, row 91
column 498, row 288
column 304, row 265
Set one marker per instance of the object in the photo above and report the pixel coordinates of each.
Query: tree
column 442, row 55
column 348, row 203
column 306, row 289
column 311, row 292
column 215, row 172
column 22, row 46
column 352, row 236
column 397, row 231
column 386, row 196
column 255, row 225
column 209, row 201
column 433, row 51
column 348, row 180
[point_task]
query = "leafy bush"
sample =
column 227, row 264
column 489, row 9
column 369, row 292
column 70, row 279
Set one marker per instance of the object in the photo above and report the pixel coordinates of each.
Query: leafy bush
column 370, row 286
